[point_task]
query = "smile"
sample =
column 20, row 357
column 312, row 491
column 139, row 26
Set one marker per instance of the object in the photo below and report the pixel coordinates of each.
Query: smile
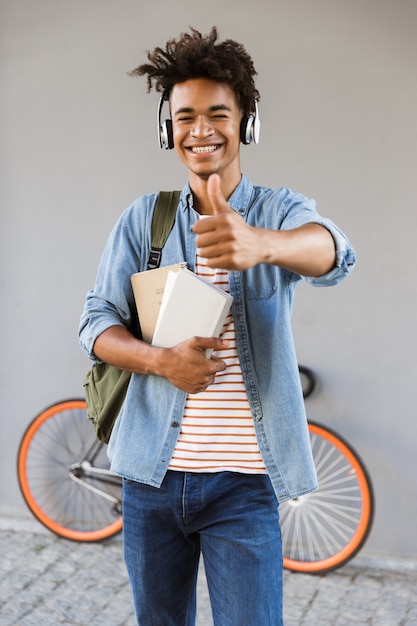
column 203, row 149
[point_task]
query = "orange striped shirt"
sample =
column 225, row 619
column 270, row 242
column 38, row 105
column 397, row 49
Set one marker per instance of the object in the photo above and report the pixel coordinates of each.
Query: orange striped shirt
column 217, row 432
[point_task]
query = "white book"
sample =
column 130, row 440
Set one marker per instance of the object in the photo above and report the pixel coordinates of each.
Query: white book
column 148, row 289
column 190, row 307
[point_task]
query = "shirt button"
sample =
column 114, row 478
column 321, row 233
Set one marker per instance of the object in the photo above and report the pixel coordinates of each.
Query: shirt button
column 175, row 424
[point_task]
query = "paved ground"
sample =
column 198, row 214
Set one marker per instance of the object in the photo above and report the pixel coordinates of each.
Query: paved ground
column 47, row 581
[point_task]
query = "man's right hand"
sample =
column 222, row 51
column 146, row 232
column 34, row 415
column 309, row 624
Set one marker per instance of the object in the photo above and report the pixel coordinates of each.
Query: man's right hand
column 186, row 365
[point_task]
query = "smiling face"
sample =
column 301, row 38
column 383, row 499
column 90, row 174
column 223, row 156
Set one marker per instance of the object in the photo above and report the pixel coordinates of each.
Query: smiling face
column 206, row 128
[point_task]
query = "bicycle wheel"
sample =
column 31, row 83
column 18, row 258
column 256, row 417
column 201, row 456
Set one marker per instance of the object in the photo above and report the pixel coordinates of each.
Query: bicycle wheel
column 323, row 530
column 64, row 476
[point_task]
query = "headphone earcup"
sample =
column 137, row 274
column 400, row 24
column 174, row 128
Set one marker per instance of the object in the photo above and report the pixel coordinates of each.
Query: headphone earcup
column 246, row 130
column 166, row 135
column 250, row 127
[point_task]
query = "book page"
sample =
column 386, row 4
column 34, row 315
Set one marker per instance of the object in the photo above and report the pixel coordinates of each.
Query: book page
column 148, row 289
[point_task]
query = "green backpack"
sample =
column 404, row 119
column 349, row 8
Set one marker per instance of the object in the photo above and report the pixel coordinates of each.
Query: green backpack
column 105, row 386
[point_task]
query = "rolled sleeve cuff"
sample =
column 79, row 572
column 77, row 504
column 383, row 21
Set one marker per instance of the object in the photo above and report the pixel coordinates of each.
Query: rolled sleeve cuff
column 345, row 259
column 90, row 331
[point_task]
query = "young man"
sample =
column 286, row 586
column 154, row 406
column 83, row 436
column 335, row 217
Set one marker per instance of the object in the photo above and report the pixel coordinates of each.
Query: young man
column 208, row 447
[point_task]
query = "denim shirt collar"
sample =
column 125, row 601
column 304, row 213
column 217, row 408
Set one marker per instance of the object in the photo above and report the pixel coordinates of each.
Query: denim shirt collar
column 239, row 200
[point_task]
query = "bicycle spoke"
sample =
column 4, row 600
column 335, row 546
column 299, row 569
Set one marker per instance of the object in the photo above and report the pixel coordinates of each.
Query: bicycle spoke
column 323, row 529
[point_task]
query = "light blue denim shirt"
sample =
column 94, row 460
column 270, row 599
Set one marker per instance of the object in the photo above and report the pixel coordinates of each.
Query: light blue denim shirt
column 146, row 430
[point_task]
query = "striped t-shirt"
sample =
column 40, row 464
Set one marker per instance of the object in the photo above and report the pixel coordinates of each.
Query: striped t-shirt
column 217, row 432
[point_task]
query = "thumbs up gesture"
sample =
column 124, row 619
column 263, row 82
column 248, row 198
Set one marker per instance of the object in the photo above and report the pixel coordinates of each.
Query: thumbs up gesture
column 216, row 197
column 224, row 238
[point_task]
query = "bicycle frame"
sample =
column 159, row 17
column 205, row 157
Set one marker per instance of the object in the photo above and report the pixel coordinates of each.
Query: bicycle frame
column 85, row 469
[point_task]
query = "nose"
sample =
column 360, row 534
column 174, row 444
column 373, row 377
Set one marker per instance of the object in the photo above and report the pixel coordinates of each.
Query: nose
column 201, row 127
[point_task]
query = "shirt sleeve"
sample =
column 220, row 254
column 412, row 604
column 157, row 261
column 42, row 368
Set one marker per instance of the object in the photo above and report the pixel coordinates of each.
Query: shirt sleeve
column 111, row 301
column 300, row 210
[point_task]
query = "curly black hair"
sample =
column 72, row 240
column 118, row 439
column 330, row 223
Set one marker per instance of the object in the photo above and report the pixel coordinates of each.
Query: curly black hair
column 197, row 56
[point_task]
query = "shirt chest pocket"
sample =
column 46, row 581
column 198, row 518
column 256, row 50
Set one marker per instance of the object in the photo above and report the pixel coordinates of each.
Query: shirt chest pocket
column 262, row 282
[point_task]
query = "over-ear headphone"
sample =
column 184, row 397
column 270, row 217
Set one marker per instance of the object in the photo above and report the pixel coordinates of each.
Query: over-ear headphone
column 249, row 128
column 165, row 136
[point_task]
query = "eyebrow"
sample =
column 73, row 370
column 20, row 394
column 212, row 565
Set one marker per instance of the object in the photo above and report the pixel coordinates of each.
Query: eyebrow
column 212, row 109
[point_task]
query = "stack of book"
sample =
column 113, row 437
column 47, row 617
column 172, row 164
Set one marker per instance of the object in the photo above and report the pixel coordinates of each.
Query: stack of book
column 174, row 304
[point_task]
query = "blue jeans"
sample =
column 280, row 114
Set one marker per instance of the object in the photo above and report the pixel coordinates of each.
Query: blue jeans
column 233, row 520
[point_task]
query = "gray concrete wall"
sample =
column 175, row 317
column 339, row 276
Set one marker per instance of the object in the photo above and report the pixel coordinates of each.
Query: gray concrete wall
column 78, row 144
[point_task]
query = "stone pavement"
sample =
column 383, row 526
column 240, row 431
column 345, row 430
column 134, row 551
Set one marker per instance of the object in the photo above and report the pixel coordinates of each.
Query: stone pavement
column 48, row 581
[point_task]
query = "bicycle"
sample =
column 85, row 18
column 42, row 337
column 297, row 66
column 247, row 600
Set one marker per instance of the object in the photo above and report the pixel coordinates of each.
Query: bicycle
column 65, row 480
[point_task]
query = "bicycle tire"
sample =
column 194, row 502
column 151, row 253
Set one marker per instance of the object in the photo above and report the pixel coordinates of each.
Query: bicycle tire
column 323, row 530
column 54, row 442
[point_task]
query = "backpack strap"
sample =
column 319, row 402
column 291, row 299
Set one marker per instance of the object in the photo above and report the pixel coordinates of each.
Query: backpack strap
column 162, row 222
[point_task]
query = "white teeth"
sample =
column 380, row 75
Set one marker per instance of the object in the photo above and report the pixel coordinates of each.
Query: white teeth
column 200, row 149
